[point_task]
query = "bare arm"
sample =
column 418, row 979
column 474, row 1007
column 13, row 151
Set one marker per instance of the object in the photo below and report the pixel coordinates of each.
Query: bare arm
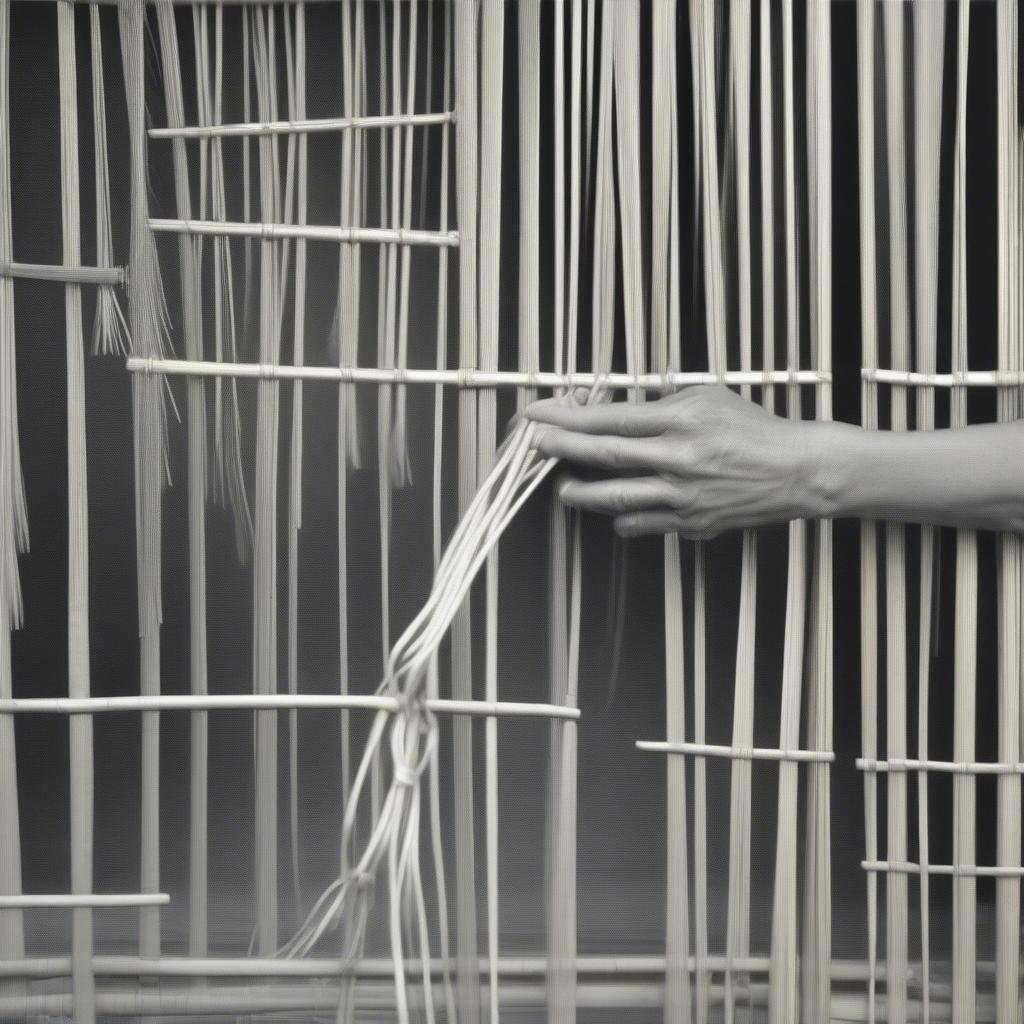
column 706, row 460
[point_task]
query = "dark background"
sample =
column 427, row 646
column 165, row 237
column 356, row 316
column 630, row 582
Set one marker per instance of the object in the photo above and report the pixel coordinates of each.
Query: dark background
column 621, row 791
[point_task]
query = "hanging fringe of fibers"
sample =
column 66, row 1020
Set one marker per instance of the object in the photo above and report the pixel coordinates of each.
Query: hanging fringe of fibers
column 227, row 486
column 110, row 330
column 13, row 531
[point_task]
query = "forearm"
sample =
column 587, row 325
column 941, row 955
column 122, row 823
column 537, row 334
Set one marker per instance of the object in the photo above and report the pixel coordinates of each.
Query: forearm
column 968, row 476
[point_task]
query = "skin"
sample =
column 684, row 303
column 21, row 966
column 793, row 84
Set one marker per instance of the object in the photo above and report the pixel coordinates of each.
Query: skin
column 705, row 461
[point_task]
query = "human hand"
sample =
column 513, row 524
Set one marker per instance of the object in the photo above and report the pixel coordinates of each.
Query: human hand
column 698, row 462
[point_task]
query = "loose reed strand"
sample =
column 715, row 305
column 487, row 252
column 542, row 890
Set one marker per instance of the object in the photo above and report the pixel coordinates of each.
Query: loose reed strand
column 189, row 262
column 13, row 509
column 528, row 320
column 626, row 60
column 466, row 168
column 662, row 128
column 783, row 974
column 575, row 187
column 965, row 613
column 869, row 417
column 400, row 470
column 738, row 925
column 929, row 24
column 559, row 325
column 564, row 559
column 149, row 325
column 228, row 486
column 433, row 684
column 248, row 18
column 557, row 683
column 492, row 43
column 665, row 354
column 81, row 735
column 413, row 731
column 385, row 323
column 199, row 740
column 603, row 285
column 895, row 543
column 347, row 328
column 342, row 316
column 13, row 538
column 265, row 540
column 702, row 33
column 817, row 937
column 562, row 994
column 428, row 85
column 1009, row 575
column 347, row 313
column 603, row 309
column 767, row 266
column 296, row 453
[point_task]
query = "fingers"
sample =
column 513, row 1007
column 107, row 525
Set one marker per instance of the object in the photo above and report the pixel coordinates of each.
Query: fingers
column 613, row 497
column 659, row 521
column 626, row 419
column 640, row 524
column 613, row 453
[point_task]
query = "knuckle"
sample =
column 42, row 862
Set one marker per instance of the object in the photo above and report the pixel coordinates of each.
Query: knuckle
column 683, row 496
column 699, row 520
column 616, row 455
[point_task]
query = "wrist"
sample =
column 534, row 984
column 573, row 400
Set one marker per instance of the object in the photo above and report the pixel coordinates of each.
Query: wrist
column 832, row 464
